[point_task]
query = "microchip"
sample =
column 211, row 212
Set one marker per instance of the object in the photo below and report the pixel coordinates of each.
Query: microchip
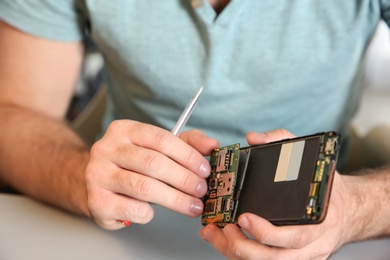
column 210, row 207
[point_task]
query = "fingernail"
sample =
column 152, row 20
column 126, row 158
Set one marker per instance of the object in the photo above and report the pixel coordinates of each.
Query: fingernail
column 243, row 222
column 201, row 189
column 204, row 170
column 196, row 208
column 260, row 134
column 125, row 223
column 204, row 234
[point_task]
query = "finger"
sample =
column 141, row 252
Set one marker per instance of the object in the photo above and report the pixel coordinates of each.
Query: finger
column 217, row 238
column 163, row 141
column 244, row 248
column 234, row 244
column 297, row 236
column 254, row 138
column 200, row 141
column 109, row 209
column 148, row 189
column 158, row 166
column 142, row 187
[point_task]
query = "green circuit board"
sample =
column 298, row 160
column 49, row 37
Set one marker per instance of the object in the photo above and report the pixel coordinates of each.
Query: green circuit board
column 219, row 200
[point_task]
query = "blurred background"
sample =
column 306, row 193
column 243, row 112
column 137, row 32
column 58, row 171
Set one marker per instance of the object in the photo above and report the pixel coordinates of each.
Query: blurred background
column 372, row 125
column 375, row 108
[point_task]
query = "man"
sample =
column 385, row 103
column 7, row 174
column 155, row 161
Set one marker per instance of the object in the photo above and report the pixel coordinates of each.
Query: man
column 265, row 64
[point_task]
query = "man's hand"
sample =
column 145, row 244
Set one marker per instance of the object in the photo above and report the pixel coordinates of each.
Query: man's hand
column 316, row 241
column 267, row 241
column 136, row 164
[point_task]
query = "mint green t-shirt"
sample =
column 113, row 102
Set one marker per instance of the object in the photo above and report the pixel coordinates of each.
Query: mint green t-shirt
column 265, row 64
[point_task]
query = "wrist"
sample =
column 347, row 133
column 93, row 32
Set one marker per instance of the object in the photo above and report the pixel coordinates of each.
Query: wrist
column 352, row 203
column 79, row 196
column 365, row 206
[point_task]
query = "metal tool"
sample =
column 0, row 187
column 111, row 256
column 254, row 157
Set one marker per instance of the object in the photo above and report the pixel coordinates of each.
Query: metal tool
column 186, row 114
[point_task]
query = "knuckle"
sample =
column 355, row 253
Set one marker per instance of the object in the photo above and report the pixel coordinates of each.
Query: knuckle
column 265, row 237
column 102, row 149
column 177, row 201
column 142, row 212
column 162, row 139
column 143, row 186
column 96, row 204
column 186, row 181
column 224, row 249
column 151, row 161
column 92, row 174
column 237, row 249
column 93, row 204
column 115, row 126
column 137, row 127
column 191, row 156
column 97, row 149
column 284, row 132
column 121, row 182
column 89, row 174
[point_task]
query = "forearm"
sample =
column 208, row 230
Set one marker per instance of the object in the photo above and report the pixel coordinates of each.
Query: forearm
column 43, row 158
column 368, row 205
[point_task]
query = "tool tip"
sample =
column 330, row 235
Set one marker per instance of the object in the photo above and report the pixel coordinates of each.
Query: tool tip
column 199, row 91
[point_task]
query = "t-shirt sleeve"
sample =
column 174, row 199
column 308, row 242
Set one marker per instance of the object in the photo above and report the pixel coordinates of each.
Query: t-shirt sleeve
column 61, row 20
column 385, row 11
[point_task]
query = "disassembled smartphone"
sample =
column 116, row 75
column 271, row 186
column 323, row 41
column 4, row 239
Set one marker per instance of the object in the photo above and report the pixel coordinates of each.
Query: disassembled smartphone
column 286, row 182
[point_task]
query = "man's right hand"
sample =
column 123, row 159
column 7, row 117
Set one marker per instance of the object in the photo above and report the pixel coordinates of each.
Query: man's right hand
column 136, row 164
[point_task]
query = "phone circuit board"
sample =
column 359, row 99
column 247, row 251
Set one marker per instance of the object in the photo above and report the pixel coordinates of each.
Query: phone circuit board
column 220, row 199
column 321, row 184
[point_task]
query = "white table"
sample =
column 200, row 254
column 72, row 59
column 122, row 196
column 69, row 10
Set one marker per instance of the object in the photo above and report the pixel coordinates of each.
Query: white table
column 31, row 230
